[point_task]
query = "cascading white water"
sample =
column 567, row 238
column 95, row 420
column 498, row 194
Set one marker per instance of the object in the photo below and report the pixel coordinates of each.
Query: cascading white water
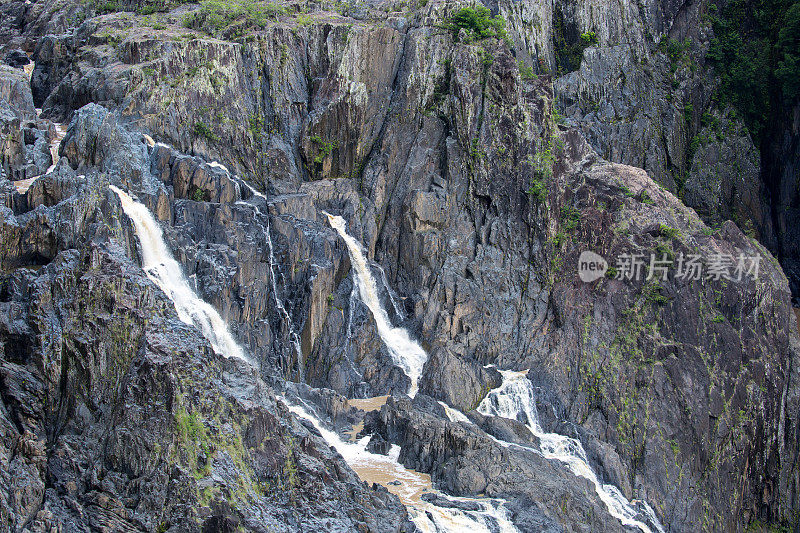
column 55, row 144
column 405, row 352
column 389, row 291
column 490, row 515
column 61, row 130
column 164, row 271
column 295, row 338
column 515, row 399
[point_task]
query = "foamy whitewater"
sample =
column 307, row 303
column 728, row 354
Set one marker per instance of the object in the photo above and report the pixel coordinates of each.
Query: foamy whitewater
column 515, row 399
column 164, row 271
column 61, row 130
column 405, row 352
column 492, row 516
column 295, row 338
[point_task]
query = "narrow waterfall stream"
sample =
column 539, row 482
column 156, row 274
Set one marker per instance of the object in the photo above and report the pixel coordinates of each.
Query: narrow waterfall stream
column 293, row 335
column 389, row 292
column 61, row 130
column 515, row 399
column 405, row 352
column 484, row 515
column 164, row 271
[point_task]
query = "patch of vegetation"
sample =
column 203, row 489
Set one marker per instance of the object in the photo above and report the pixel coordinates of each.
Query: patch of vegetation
column 756, row 52
column 303, row 20
column 195, row 441
column 324, row 148
column 143, row 7
column 441, row 88
column 688, row 113
column 590, row 38
column 217, row 15
column 112, row 39
column 569, row 44
column 477, row 22
column 201, row 129
column 708, row 231
column 199, row 195
column 652, row 293
column 668, row 232
column 525, row 72
column 538, row 189
column 675, row 51
column 570, row 218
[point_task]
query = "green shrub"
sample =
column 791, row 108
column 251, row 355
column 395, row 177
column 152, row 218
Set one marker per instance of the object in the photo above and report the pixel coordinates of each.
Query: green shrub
column 570, row 218
column 201, row 129
column 324, row 148
column 653, row 294
column 525, row 72
column 189, row 425
column 538, row 189
column 675, row 50
column 441, row 88
column 144, row 7
column 569, row 45
column 756, row 53
column 216, row 15
column 199, row 195
column 788, row 53
column 477, row 22
column 589, row 38
column 668, row 232
column 688, row 113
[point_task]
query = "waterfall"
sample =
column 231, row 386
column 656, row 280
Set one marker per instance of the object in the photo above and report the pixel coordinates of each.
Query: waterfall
column 389, row 292
column 486, row 515
column 55, row 144
column 61, row 130
column 295, row 338
column 164, row 271
column 405, row 352
column 515, row 399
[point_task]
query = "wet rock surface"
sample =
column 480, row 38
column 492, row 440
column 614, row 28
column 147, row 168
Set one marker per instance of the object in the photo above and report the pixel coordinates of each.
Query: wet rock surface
column 473, row 201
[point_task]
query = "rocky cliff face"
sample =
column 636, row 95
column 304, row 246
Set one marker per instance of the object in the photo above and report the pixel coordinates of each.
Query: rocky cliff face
column 475, row 172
